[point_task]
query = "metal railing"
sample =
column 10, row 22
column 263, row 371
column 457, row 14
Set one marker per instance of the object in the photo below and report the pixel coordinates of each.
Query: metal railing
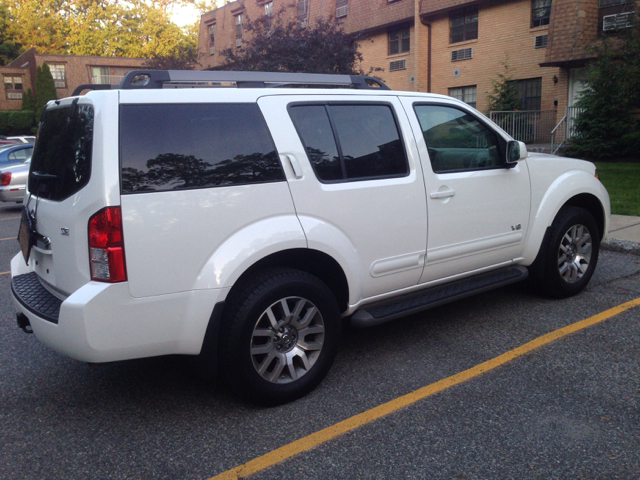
column 531, row 126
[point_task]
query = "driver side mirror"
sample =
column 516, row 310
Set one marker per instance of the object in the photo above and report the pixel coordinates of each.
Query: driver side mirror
column 515, row 151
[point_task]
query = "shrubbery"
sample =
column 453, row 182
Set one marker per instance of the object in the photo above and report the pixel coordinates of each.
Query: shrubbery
column 16, row 122
column 606, row 128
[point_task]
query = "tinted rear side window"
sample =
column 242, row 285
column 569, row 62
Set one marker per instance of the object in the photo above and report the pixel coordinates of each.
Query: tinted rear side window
column 62, row 152
column 186, row 146
column 351, row 141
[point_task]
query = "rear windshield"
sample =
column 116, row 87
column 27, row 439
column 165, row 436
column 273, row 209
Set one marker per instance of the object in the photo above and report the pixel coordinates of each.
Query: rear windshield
column 189, row 146
column 61, row 162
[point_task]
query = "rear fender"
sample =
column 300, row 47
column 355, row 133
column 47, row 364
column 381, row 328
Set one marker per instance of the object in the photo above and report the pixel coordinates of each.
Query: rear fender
column 248, row 246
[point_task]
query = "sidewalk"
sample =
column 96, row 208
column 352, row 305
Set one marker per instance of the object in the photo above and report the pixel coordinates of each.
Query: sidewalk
column 624, row 234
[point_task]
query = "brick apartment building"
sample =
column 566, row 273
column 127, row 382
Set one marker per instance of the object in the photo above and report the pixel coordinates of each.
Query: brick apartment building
column 68, row 72
column 452, row 47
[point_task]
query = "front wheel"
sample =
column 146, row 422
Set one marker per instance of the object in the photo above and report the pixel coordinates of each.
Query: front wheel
column 569, row 255
column 280, row 335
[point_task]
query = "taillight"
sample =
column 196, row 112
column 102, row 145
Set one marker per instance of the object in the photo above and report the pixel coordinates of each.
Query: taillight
column 5, row 178
column 106, row 246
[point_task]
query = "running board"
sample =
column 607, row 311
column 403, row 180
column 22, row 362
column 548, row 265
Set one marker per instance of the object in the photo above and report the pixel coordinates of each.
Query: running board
column 386, row 310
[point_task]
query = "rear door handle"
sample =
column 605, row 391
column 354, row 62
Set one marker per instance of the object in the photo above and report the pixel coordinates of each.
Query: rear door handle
column 295, row 166
column 443, row 194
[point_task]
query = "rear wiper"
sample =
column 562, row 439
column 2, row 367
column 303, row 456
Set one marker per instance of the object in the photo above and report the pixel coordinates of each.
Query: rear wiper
column 43, row 176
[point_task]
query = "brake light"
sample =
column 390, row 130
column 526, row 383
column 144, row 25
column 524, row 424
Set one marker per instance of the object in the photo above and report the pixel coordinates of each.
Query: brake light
column 5, row 178
column 106, row 246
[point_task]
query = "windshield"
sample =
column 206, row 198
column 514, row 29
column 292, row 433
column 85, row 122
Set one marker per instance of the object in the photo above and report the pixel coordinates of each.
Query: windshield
column 61, row 161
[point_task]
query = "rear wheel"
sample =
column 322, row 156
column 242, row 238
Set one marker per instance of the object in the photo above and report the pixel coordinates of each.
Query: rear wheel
column 279, row 336
column 569, row 254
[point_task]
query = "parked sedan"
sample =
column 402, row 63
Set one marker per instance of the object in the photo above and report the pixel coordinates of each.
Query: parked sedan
column 13, row 180
column 10, row 154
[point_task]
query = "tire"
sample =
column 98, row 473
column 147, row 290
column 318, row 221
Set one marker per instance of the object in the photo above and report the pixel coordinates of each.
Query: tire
column 569, row 254
column 279, row 337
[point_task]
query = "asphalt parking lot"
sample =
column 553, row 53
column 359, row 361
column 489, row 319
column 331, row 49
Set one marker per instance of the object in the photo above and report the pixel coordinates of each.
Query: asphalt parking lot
column 569, row 408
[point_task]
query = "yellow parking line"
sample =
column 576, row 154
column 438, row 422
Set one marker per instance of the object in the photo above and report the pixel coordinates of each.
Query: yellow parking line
column 9, row 218
column 332, row 431
column 4, row 273
column 9, row 238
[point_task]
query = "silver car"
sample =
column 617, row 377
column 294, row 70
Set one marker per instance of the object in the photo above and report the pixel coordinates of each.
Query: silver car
column 13, row 180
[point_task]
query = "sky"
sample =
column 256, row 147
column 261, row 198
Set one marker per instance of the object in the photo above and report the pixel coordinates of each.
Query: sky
column 185, row 15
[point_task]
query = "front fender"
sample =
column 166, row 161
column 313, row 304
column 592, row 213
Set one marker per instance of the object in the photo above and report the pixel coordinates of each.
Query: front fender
column 247, row 246
column 561, row 191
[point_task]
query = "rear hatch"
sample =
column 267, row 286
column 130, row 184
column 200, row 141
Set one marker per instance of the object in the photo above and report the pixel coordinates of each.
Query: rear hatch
column 67, row 184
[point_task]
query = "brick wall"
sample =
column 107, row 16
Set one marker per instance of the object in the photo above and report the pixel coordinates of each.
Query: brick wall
column 503, row 29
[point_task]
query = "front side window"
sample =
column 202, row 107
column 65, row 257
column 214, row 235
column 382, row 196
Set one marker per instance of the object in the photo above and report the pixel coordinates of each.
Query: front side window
column 466, row 94
column 399, row 41
column 351, row 141
column 463, row 25
column 540, row 12
column 188, row 146
column 59, row 75
column 63, row 151
column 456, row 140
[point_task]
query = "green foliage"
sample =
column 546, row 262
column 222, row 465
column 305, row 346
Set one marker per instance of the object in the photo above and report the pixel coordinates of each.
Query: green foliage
column 281, row 44
column 605, row 127
column 183, row 57
column 29, row 101
column 504, row 96
column 45, row 88
column 133, row 28
column 15, row 122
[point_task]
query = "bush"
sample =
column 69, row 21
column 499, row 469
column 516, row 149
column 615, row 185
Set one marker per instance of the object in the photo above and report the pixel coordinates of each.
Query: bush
column 16, row 122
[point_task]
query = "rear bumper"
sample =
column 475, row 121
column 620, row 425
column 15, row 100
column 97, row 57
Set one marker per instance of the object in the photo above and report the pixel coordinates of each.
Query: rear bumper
column 102, row 322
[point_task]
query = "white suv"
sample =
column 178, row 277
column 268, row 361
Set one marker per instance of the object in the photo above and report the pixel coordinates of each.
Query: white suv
column 242, row 225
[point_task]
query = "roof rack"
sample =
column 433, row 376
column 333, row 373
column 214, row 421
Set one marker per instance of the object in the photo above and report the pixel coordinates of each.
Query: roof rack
column 151, row 79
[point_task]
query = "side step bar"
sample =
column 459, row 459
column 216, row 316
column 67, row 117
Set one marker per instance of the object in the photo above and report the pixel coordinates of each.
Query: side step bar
column 387, row 310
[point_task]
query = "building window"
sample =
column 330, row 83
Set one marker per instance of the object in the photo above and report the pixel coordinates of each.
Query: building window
column 466, row 94
column 342, row 8
column 58, row 74
column 212, row 38
column 463, row 25
column 529, row 93
column 13, row 87
column 540, row 12
column 268, row 11
column 238, row 30
column 302, row 8
column 399, row 41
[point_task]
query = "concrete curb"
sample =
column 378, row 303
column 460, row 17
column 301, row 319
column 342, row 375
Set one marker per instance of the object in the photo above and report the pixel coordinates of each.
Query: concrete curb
column 622, row 246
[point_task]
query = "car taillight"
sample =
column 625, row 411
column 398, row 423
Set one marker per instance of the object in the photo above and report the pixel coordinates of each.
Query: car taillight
column 106, row 246
column 5, row 178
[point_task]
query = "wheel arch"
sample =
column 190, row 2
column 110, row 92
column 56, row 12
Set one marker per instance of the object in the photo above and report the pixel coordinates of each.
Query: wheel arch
column 317, row 263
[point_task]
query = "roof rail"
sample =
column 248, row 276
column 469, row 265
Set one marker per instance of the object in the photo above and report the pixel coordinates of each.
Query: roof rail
column 150, row 79
column 90, row 86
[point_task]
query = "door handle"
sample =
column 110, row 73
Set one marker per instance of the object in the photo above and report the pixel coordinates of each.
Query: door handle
column 295, row 166
column 443, row 194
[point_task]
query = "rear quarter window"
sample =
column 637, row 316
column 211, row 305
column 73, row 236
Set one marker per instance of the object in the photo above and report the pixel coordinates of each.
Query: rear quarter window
column 188, row 146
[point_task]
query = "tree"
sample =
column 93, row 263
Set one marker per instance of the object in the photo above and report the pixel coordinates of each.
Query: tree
column 276, row 44
column 133, row 28
column 28, row 101
column 45, row 88
column 504, row 96
column 605, row 127
column 183, row 57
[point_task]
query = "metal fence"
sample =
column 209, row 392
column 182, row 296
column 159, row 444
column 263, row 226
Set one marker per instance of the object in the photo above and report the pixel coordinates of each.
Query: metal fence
column 532, row 126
